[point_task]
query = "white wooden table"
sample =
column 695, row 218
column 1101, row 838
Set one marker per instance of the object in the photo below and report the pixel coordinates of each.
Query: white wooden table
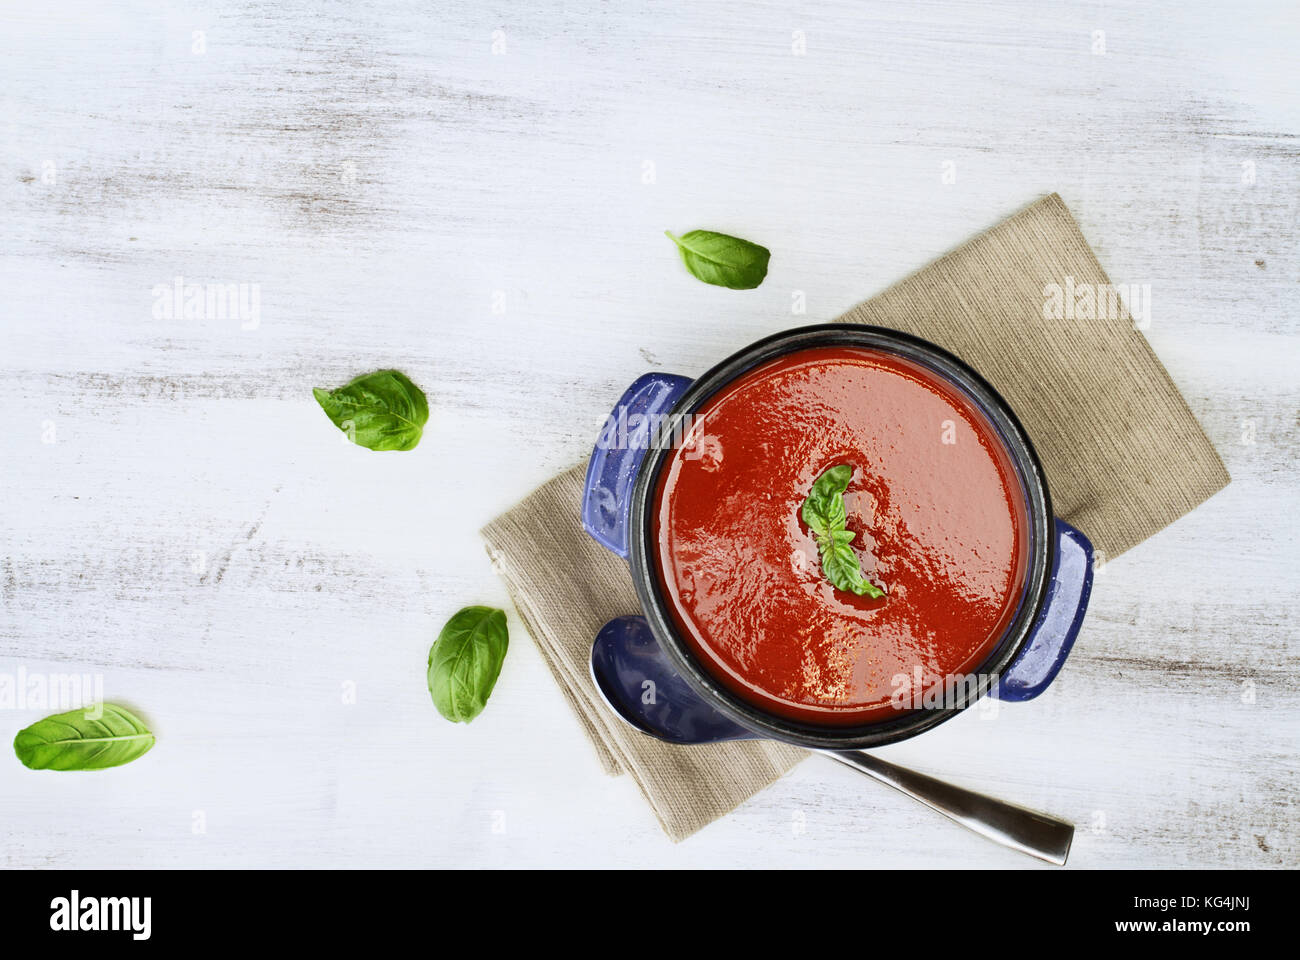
column 477, row 195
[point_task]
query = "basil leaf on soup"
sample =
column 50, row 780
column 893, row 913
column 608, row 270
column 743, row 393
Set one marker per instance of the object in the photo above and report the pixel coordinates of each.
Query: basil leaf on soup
column 843, row 569
column 379, row 411
column 824, row 514
column 76, row 741
column 465, row 661
column 722, row 260
column 824, row 508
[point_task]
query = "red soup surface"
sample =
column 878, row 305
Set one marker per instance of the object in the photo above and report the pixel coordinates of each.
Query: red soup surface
column 935, row 504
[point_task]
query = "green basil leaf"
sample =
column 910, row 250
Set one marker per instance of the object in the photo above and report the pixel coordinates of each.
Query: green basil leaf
column 722, row 260
column 825, row 515
column 379, row 411
column 843, row 569
column 465, row 661
column 823, row 511
column 71, row 741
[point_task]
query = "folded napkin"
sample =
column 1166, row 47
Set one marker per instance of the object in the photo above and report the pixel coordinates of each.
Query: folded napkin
column 1028, row 306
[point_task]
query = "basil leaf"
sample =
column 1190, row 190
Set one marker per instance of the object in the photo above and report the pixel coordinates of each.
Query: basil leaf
column 380, row 411
column 465, row 660
column 71, row 741
column 824, row 513
column 722, row 260
column 842, row 568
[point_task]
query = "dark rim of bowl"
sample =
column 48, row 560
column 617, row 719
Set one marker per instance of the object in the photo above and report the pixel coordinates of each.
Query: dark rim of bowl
column 1042, row 539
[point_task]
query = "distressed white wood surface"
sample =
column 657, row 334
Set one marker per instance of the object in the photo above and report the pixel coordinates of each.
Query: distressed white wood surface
column 202, row 538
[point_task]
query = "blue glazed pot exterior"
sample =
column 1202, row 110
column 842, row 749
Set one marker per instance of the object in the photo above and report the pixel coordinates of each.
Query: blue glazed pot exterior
column 623, row 442
column 1050, row 642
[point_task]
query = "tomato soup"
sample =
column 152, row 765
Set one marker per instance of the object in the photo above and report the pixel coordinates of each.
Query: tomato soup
column 937, row 512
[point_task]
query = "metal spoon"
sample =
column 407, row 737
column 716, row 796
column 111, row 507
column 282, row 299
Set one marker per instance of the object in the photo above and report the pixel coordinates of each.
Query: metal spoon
column 629, row 670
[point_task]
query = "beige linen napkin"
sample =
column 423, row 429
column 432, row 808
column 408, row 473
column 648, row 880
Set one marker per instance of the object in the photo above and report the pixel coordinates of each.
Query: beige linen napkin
column 1123, row 454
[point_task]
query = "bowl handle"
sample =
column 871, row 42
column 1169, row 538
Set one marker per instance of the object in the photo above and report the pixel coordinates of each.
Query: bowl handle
column 630, row 428
column 1052, row 636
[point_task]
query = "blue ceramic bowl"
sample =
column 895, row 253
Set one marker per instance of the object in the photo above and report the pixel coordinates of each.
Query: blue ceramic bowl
column 618, row 506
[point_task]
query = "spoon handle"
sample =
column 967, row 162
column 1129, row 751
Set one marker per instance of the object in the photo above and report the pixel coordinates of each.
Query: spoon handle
column 1033, row 833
